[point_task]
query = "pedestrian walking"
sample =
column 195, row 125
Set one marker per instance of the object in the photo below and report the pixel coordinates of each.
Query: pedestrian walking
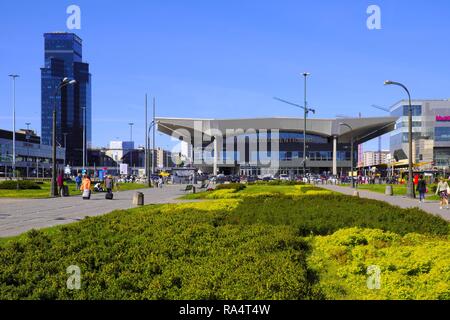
column 443, row 191
column 78, row 181
column 421, row 189
column 160, row 182
column 109, row 184
column 86, row 187
column 60, row 183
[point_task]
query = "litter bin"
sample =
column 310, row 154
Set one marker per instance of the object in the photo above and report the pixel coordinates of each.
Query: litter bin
column 138, row 199
column 389, row 191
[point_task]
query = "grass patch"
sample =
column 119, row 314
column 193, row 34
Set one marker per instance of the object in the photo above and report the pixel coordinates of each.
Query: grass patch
column 44, row 191
column 399, row 190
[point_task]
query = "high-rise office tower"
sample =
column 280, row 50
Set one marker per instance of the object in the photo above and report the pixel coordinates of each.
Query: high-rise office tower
column 64, row 58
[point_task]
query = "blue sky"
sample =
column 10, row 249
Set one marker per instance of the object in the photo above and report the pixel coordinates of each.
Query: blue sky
column 227, row 59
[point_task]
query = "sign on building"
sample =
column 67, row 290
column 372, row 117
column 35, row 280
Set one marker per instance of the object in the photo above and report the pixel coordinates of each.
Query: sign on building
column 124, row 168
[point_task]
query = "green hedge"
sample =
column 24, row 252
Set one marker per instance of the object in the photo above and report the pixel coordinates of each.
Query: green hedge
column 159, row 254
column 234, row 186
column 21, row 184
column 326, row 214
column 277, row 183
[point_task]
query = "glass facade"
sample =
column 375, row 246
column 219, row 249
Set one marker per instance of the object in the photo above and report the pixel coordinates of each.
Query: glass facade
column 403, row 111
column 431, row 135
column 442, row 134
column 63, row 58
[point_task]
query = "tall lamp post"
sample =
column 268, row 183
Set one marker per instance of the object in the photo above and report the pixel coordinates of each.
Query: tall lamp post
column 152, row 125
column 65, row 148
column 27, row 136
column 54, row 188
column 84, row 137
column 307, row 111
column 410, row 191
column 352, row 142
column 131, row 124
column 14, row 77
column 305, row 75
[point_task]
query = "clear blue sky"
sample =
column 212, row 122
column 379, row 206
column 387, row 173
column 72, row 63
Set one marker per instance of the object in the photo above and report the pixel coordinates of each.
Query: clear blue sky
column 227, row 59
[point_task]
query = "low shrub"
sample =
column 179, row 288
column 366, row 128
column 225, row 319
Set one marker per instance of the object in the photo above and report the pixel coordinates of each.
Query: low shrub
column 413, row 267
column 168, row 252
column 325, row 214
column 21, row 185
column 277, row 183
column 234, row 186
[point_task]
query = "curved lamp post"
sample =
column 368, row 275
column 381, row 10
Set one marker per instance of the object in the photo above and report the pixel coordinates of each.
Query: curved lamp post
column 14, row 77
column 54, row 188
column 410, row 192
column 351, row 157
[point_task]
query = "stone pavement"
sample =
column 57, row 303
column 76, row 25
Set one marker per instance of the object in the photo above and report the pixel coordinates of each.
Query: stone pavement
column 21, row 215
column 400, row 201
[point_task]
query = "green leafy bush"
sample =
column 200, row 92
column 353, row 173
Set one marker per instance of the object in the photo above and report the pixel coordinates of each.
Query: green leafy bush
column 169, row 252
column 21, row 185
column 251, row 245
column 277, row 183
column 412, row 267
column 234, row 186
column 326, row 214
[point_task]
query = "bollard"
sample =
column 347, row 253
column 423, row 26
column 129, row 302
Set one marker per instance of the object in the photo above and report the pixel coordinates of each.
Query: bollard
column 194, row 189
column 389, row 191
column 356, row 194
column 138, row 199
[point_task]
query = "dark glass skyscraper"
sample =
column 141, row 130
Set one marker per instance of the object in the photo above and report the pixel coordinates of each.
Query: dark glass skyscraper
column 63, row 58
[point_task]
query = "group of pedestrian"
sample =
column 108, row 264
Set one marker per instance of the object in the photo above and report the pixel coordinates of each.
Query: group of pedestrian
column 442, row 190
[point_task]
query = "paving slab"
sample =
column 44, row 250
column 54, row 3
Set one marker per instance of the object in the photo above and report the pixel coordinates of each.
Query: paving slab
column 21, row 215
column 431, row 207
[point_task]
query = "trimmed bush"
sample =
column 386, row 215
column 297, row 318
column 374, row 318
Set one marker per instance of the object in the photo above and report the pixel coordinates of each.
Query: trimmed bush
column 168, row 252
column 326, row 214
column 277, row 183
column 21, row 184
column 234, row 186
column 413, row 267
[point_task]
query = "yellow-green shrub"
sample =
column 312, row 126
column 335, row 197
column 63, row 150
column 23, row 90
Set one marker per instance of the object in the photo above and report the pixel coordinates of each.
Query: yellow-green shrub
column 412, row 267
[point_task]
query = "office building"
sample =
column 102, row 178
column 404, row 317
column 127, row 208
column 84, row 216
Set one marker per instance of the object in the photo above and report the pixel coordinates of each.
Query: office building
column 431, row 132
column 33, row 159
column 64, row 58
column 375, row 158
column 118, row 149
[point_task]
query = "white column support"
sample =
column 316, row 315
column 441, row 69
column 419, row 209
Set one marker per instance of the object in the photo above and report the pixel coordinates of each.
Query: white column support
column 335, row 156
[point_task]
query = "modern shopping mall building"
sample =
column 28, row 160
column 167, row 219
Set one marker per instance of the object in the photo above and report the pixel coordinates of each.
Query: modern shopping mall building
column 274, row 145
column 431, row 132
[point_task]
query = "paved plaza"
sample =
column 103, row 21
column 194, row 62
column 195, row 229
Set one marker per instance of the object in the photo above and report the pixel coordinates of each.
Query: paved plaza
column 20, row 215
column 400, row 201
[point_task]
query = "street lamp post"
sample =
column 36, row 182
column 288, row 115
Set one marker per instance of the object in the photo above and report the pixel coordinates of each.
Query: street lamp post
column 54, row 188
column 27, row 136
column 65, row 147
column 305, row 74
column 131, row 124
column 84, row 137
column 14, row 77
column 306, row 112
column 152, row 125
column 352, row 142
column 410, row 192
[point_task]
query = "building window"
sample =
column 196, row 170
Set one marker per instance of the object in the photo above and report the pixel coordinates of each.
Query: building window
column 442, row 134
column 403, row 111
